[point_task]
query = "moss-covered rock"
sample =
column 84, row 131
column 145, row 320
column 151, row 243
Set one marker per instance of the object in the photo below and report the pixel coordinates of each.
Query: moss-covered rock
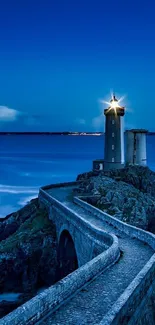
column 28, row 254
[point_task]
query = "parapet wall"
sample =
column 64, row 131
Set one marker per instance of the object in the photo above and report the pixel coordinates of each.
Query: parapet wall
column 131, row 231
column 81, row 224
column 88, row 241
column 52, row 298
column 46, row 187
column 128, row 303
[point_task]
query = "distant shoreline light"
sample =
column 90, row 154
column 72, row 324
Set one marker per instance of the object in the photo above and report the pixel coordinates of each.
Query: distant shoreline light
column 61, row 133
column 51, row 133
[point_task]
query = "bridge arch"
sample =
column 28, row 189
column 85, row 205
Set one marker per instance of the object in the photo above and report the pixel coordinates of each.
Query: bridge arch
column 67, row 255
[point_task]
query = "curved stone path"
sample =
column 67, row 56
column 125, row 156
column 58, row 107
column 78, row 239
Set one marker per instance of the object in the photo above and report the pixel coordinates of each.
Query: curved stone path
column 91, row 304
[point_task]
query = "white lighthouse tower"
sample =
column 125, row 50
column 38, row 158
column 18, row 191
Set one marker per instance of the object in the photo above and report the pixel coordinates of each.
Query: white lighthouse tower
column 114, row 136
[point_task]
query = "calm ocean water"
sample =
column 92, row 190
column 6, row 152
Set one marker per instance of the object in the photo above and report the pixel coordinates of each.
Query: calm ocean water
column 28, row 162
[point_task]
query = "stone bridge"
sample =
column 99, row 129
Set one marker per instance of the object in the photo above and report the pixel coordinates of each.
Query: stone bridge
column 112, row 267
column 78, row 240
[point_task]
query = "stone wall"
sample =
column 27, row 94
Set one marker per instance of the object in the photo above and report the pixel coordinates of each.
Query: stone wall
column 46, row 187
column 128, row 304
column 49, row 300
column 131, row 231
column 127, row 308
column 145, row 313
column 81, row 230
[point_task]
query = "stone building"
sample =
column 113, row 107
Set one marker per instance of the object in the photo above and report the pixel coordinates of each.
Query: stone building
column 136, row 147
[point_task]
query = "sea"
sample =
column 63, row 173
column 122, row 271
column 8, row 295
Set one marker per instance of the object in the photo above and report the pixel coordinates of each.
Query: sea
column 28, row 162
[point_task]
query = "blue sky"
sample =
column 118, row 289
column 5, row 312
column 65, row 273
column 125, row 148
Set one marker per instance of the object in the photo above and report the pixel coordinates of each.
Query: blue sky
column 59, row 58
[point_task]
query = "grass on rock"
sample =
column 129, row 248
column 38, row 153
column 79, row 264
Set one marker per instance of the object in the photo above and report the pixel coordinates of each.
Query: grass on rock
column 30, row 228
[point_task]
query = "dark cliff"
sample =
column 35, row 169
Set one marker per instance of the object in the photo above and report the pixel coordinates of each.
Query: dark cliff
column 28, row 258
column 128, row 194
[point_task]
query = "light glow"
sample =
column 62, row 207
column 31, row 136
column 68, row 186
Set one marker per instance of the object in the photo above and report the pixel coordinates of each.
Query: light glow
column 113, row 103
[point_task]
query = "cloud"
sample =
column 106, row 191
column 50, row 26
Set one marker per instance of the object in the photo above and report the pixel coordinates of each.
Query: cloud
column 8, row 114
column 12, row 115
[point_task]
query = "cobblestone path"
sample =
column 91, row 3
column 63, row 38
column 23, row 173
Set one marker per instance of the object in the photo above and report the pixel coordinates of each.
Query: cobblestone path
column 90, row 304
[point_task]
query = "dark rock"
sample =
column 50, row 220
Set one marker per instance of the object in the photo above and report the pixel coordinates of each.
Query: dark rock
column 140, row 177
column 87, row 175
column 128, row 194
column 8, row 306
column 12, row 222
column 28, row 256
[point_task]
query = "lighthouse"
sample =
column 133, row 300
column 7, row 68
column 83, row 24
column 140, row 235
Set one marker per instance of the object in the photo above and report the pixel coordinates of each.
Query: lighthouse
column 114, row 136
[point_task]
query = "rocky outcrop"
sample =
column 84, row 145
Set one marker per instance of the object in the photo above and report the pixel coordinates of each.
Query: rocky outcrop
column 28, row 254
column 12, row 222
column 128, row 194
column 140, row 177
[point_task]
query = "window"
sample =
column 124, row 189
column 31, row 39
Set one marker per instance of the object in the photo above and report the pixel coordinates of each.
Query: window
column 113, row 134
column 113, row 146
column 101, row 166
column 113, row 159
column 113, row 121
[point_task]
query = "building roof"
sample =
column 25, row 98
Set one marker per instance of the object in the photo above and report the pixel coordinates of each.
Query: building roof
column 137, row 131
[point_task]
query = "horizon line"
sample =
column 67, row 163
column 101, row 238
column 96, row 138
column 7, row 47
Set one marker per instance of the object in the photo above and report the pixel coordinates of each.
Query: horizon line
column 57, row 132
